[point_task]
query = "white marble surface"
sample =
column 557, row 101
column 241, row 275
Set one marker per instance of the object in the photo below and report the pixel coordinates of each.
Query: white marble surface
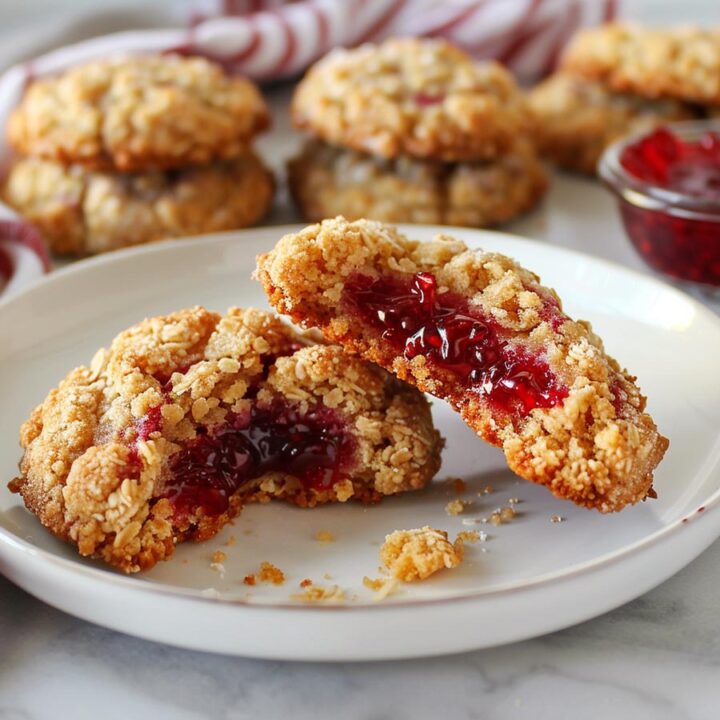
column 657, row 658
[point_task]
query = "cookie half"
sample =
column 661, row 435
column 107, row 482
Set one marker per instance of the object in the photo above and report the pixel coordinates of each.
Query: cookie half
column 681, row 63
column 138, row 114
column 326, row 181
column 478, row 330
column 423, row 98
column 578, row 118
column 83, row 212
column 188, row 416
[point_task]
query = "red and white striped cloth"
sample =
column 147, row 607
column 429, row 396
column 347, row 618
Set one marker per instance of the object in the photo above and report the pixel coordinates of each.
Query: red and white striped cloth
column 271, row 39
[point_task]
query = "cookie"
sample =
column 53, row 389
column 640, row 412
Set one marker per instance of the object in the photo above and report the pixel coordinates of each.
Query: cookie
column 423, row 98
column 578, row 118
column 479, row 331
column 139, row 114
column 188, row 416
column 82, row 212
column 681, row 63
column 326, row 181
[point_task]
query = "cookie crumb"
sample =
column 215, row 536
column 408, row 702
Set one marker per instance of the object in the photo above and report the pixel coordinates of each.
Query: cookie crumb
column 319, row 593
column 230, row 541
column 557, row 519
column 218, row 557
column 513, row 501
column 456, row 507
column 502, row 515
column 267, row 573
column 416, row 554
column 381, row 587
column 271, row 574
column 324, row 536
column 472, row 536
column 306, row 583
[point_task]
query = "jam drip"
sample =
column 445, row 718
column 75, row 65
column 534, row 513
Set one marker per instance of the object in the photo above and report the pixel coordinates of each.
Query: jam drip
column 417, row 320
column 314, row 447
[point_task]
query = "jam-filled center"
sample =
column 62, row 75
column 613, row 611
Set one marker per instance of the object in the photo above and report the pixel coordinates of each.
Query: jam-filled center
column 691, row 168
column 416, row 320
column 314, row 446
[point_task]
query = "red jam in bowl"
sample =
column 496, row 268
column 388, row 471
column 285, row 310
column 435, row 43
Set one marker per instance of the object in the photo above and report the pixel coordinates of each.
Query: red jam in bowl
column 670, row 201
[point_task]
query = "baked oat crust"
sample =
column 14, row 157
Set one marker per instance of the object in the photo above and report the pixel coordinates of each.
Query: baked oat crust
column 423, row 98
column 597, row 447
column 84, row 212
column 578, row 118
column 326, row 181
column 681, row 63
column 95, row 472
column 139, row 114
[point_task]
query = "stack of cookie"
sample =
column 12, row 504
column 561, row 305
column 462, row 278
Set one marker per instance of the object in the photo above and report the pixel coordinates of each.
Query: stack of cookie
column 124, row 152
column 413, row 131
column 620, row 79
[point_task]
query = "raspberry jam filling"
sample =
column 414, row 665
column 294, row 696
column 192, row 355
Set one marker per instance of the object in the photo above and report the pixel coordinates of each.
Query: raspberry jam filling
column 314, row 446
column 676, row 243
column 417, row 320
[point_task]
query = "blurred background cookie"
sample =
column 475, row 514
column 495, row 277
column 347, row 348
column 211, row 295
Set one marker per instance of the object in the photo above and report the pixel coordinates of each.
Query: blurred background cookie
column 326, row 181
column 413, row 131
column 82, row 212
column 620, row 79
column 138, row 114
column 130, row 151
column 579, row 118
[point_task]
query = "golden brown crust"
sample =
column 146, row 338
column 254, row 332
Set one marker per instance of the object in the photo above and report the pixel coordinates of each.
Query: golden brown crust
column 326, row 181
column 84, row 212
column 139, row 114
column 578, row 118
column 95, row 478
column 423, row 98
column 582, row 449
column 681, row 63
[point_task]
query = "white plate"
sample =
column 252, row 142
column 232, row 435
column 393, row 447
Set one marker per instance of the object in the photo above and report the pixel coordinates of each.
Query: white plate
column 535, row 576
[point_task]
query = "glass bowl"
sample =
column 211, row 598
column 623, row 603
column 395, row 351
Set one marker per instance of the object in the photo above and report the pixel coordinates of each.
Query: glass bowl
column 674, row 233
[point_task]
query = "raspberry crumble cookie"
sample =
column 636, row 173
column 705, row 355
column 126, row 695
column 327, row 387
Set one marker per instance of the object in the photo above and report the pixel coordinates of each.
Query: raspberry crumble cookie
column 186, row 417
column 137, row 114
column 414, row 131
column 578, row 118
column 82, row 212
column 481, row 332
column 133, row 150
column 620, row 79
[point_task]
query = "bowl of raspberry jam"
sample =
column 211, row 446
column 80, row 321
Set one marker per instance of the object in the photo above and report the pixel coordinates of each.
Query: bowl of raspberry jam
column 667, row 182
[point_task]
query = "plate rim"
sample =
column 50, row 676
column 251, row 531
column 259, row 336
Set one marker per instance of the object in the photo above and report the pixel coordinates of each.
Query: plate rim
column 98, row 574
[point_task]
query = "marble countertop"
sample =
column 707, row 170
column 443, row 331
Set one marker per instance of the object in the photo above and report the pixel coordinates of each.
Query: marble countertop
column 657, row 658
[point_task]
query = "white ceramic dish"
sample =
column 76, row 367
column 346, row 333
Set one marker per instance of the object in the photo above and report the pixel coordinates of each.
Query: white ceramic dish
column 530, row 577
